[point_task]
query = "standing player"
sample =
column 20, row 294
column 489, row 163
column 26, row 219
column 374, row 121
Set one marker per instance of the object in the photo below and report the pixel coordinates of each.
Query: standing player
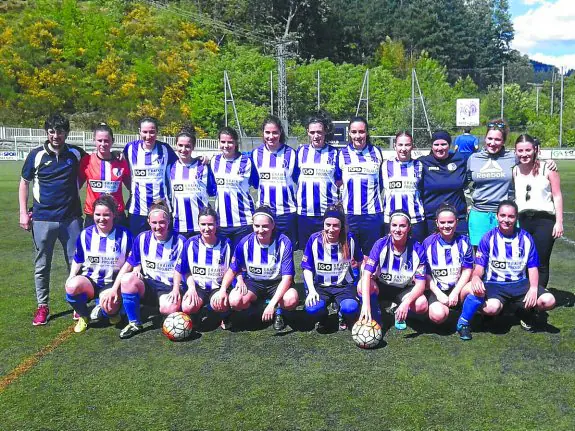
column 191, row 182
column 466, row 144
column 318, row 177
column 276, row 167
column 263, row 264
column 449, row 258
column 233, row 175
column 56, row 212
column 103, row 173
column 401, row 180
column 360, row 166
column 506, row 270
column 149, row 160
column 202, row 264
column 101, row 251
column 148, row 274
column 395, row 271
column 327, row 263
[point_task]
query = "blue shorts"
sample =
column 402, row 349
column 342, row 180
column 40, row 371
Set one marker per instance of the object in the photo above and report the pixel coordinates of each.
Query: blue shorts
column 205, row 295
column 235, row 234
column 480, row 222
column 337, row 293
column 154, row 289
column 306, row 226
column 366, row 229
column 287, row 224
column 511, row 291
column 262, row 289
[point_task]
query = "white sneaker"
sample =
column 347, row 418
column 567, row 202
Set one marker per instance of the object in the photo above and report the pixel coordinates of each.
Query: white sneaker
column 96, row 314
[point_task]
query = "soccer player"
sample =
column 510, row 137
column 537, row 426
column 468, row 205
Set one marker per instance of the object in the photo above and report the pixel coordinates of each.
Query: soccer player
column 103, row 172
column 395, row 271
column 328, row 261
column 466, row 144
column 276, row 167
column 149, row 160
column 263, row 264
column 191, row 183
column 101, row 251
column 401, row 180
column 233, row 174
column 360, row 165
column 148, row 274
column 318, row 179
column 444, row 181
column 449, row 262
column 56, row 213
column 202, row 264
column 506, row 270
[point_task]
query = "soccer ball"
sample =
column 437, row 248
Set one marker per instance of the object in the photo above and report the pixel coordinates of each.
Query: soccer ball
column 177, row 326
column 366, row 335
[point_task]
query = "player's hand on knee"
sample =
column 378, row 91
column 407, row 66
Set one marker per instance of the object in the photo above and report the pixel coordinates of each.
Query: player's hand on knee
column 312, row 299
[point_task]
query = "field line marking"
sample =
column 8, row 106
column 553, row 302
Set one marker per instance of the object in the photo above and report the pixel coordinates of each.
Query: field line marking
column 568, row 241
column 28, row 363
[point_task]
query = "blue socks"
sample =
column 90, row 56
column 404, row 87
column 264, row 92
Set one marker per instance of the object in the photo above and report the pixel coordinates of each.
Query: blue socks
column 319, row 308
column 79, row 303
column 470, row 307
column 131, row 303
column 375, row 308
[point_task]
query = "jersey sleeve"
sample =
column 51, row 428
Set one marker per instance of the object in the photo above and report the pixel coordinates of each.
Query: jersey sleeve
column 254, row 177
column 307, row 260
column 238, row 263
column 533, row 257
column 296, row 170
column 182, row 265
column 211, row 186
column 84, row 162
column 467, row 258
column 372, row 263
column 288, row 267
column 420, row 270
column 357, row 251
column 337, row 173
column 79, row 254
column 28, row 169
column 482, row 255
column 134, row 258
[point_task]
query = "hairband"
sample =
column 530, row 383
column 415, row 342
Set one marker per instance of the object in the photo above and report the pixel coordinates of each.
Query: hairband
column 400, row 213
column 264, row 213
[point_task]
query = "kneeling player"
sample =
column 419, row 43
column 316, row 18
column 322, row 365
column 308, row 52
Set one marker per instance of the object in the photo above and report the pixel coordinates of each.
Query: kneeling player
column 149, row 271
column 203, row 263
column 327, row 270
column 449, row 258
column 506, row 254
column 101, row 250
column 266, row 260
column 395, row 271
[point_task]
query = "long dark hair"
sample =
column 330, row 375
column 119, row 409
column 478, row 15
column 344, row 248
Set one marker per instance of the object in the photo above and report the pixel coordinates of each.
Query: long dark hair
column 336, row 211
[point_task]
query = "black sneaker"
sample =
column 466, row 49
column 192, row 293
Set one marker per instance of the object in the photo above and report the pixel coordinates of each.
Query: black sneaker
column 130, row 330
column 321, row 325
column 528, row 320
column 342, row 323
column 279, row 324
column 226, row 323
column 464, row 332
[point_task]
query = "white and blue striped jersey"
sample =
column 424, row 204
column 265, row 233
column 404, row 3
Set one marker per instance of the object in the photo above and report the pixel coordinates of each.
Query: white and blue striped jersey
column 276, row 178
column 361, row 175
column 318, row 173
column 264, row 263
column 446, row 260
column 206, row 263
column 234, row 203
column 506, row 258
column 190, row 186
column 397, row 270
column 102, row 256
column 149, row 170
column 326, row 261
column 401, row 185
column 158, row 258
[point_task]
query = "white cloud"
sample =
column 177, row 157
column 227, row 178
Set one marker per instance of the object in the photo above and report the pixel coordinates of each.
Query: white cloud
column 532, row 2
column 547, row 22
column 567, row 60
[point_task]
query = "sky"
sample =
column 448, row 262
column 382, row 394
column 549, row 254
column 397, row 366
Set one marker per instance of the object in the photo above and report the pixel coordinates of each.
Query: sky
column 545, row 30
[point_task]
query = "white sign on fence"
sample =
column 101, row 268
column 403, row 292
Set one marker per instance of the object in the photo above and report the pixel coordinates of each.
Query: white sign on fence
column 8, row 155
column 467, row 112
column 563, row 154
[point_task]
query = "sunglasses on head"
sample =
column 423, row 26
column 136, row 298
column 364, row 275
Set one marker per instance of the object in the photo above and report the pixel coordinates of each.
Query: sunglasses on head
column 496, row 125
column 527, row 195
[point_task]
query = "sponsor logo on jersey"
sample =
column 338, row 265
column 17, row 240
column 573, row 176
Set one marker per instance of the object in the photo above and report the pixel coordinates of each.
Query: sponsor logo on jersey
column 324, row 266
column 491, row 169
column 150, row 265
column 395, row 184
column 307, row 171
column 220, row 181
column 139, row 172
column 94, row 259
column 255, row 270
column 498, row 264
column 199, row 271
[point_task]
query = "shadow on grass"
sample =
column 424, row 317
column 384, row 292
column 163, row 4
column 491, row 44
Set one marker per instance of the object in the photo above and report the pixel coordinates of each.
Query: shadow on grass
column 563, row 298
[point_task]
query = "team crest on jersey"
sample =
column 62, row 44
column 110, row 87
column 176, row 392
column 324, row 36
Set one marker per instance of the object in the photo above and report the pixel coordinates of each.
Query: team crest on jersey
column 285, row 164
column 69, row 162
column 519, row 252
column 117, row 172
column 115, row 247
column 304, row 258
column 174, row 254
column 451, row 167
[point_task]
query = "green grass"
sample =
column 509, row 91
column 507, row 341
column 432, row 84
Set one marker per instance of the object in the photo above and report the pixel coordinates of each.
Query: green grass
column 254, row 379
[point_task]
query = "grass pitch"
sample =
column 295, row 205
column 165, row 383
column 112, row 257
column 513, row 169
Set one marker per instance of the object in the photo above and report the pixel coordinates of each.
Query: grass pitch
column 252, row 378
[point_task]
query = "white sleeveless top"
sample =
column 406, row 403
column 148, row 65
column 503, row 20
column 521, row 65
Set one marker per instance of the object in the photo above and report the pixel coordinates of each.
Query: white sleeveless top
column 541, row 198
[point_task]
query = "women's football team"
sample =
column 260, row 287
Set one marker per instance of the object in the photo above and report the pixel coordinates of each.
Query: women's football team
column 370, row 229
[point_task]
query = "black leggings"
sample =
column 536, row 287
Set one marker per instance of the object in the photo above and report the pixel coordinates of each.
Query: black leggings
column 540, row 226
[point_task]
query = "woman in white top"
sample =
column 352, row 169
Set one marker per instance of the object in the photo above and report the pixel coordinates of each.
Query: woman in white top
column 538, row 196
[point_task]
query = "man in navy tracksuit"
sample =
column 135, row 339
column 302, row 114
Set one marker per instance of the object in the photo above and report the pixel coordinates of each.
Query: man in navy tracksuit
column 56, row 213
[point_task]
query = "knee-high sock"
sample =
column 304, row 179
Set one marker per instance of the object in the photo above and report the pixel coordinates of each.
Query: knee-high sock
column 349, row 308
column 470, row 307
column 375, row 308
column 79, row 303
column 131, row 302
column 319, row 309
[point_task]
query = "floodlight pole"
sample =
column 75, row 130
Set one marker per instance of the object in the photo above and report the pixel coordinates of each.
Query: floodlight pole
column 318, row 88
column 561, row 109
column 502, row 89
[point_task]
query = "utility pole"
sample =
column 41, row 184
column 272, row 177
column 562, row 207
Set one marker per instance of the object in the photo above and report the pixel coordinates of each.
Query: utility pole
column 537, row 91
column 561, row 109
column 502, row 90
